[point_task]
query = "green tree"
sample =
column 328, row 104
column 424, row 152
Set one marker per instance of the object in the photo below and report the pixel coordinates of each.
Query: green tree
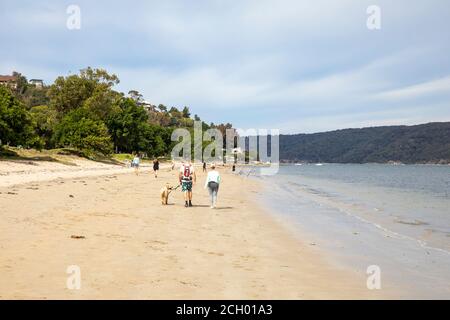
column 80, row 130
column 22, row 84
column 16, row 125
column 174, row 112
column 157, row 140
column 69, row 93
column 102, row 102
column 45, row 120
column 162, row 108
column 127, row 125
column 186, row 113
column 136, row 96
column 35, row 97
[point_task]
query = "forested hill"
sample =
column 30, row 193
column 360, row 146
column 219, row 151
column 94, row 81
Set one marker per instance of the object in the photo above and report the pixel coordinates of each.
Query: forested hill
column 426, row 143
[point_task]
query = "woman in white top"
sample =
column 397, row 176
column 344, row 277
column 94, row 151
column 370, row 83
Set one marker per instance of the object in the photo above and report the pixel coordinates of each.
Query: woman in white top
column 212, row 183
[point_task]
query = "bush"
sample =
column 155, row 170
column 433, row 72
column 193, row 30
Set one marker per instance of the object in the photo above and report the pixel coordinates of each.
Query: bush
column 16, row 125
column 80, row 130
column 45, row 120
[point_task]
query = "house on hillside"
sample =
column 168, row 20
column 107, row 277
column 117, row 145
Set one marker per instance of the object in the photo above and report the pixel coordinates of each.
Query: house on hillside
column 39, row 83
column 9, row 81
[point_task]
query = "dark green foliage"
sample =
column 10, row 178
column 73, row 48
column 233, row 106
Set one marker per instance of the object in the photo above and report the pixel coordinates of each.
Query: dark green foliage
column 427, row 143
column 16, row 125
column 83, row 112
column 91, row 87
column 29, row 94
column 130, row 130
column 45, row 119
column 126, row 126
column 78, row 129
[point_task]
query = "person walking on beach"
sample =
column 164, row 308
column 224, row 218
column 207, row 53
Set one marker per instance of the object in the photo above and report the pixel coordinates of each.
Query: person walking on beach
column 212, row 183
column 155, row 167
column 204, row 166
column 135, row 164
column 187, row 177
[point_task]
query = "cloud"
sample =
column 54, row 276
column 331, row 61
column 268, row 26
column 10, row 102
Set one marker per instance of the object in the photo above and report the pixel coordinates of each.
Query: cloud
column 433, row 87
column 248, row 62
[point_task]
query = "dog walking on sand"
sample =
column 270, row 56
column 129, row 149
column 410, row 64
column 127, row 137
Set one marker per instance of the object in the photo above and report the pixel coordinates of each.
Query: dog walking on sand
column 165, row 192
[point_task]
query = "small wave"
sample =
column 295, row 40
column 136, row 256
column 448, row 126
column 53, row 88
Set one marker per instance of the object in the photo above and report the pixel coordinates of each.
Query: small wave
column 336, row 205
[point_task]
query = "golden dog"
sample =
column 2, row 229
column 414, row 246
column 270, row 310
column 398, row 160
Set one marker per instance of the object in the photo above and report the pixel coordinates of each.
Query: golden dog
column 165, row 191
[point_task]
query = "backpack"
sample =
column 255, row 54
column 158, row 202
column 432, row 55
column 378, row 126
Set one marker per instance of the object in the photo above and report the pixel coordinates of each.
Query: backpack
column 186, row 171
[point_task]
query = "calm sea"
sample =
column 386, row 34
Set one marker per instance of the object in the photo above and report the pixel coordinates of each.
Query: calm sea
column 394, row 216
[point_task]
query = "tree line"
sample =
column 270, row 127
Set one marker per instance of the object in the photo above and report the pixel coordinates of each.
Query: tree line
column 84, row 112
column 426, row 143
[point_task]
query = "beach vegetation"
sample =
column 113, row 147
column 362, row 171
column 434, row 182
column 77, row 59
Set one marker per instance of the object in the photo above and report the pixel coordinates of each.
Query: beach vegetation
column 84, row 112
column 16, row 124
column 80, row 130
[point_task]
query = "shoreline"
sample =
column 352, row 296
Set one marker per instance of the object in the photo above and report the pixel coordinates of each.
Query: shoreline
column 134, row 248
column 357, row 233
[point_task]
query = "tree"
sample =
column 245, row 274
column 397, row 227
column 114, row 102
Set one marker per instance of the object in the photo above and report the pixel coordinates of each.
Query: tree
column 131, row 131
column 102, row 102
column 186, row 113
column 45, row 120
column 136, row 96
column 80, row 130
column 22, row 84
column 126, row 126
column 174, row 112
column 35, row 97
column 69, row 93
column 16, row 126
column 162, row 108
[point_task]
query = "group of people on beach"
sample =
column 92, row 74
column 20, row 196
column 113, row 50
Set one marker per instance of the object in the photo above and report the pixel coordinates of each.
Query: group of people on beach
column 187, row 178
column 135, row 163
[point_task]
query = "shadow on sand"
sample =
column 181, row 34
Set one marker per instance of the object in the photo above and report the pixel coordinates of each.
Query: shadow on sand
column 7, row 154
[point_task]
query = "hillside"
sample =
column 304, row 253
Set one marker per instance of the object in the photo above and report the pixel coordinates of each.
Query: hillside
column 426, row 143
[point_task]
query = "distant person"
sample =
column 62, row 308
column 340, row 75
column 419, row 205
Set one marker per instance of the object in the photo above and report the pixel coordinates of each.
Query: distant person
column 173, row 165
column 233, row 168
column 212, row 183
column 187, row 177
column 155, row 167
column 204, row 166
column 135, row 164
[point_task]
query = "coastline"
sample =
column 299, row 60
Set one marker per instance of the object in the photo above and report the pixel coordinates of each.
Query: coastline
column 360, row 223
column 134, row 248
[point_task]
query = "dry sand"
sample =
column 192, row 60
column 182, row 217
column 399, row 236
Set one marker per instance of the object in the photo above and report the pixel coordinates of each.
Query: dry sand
column 135, row 248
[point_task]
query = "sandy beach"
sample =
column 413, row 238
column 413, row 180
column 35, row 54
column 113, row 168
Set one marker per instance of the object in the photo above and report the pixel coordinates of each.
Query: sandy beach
column 111, row 224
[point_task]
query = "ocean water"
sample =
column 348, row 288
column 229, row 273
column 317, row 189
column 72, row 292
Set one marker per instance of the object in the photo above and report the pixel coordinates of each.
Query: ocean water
column 394, row 216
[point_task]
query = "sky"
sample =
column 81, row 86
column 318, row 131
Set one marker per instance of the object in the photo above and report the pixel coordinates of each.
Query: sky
column 293, row 65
